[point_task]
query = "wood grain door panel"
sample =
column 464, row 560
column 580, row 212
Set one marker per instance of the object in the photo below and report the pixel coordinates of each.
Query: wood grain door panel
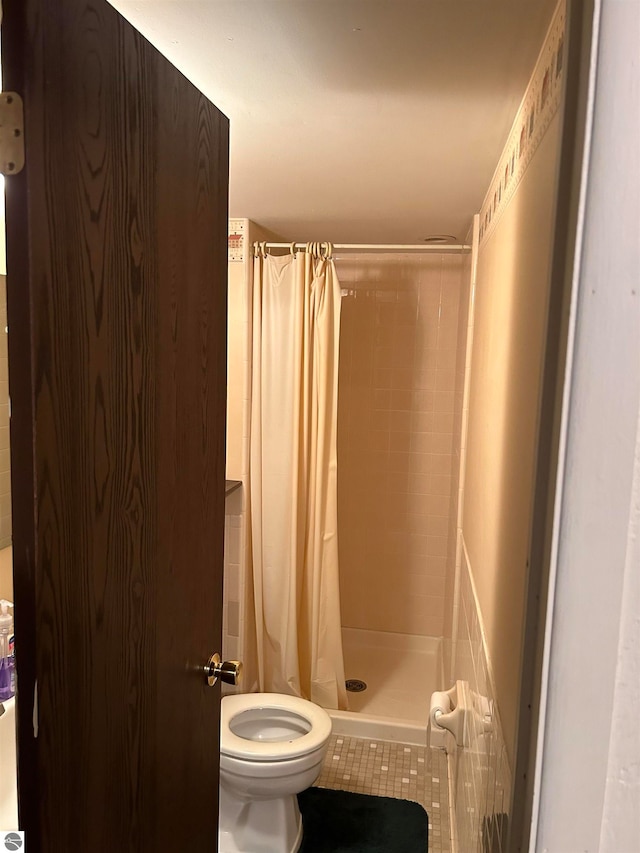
column 117, row 312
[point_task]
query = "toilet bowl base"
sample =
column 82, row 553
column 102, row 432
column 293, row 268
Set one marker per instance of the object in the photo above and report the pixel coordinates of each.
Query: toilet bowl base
column 259, row 826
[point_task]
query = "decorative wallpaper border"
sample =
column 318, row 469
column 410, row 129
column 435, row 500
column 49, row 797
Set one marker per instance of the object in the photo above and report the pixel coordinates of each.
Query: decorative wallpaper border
column 538, row 107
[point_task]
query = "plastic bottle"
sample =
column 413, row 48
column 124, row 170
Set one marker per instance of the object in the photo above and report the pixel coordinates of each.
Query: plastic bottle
column 7, row 669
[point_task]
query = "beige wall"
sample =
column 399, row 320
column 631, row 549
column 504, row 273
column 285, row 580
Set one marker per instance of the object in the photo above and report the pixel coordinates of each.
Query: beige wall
column 460, row 418
column 238, row 635
column 237, row 391
column 509, row 330
column 238, row 313
column 6, row 573
column 396, row 402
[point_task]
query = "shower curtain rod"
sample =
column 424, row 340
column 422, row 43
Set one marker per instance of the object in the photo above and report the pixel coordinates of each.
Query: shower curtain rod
column 429, row 247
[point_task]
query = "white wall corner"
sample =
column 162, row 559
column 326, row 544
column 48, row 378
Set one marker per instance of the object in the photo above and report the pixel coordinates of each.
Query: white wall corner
column 588, row 755
column 620, row 829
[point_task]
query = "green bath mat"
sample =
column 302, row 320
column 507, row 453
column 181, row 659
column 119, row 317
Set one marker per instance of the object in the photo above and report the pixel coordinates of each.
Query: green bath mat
column 342, row 822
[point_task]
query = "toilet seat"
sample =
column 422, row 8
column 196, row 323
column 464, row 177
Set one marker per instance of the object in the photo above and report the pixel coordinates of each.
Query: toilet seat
column 310, row 716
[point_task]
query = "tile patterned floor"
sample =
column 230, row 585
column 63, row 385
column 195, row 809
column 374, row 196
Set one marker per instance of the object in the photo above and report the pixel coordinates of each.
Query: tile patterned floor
column 398, row 770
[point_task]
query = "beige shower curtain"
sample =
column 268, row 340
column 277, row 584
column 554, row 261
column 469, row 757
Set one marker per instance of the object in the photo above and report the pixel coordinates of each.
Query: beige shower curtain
column 293, row 476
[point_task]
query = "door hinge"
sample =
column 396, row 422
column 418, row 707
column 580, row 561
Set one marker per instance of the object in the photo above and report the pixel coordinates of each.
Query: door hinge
column 11, row 133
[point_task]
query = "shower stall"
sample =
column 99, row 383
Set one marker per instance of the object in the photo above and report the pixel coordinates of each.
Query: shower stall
column 401, row 380
column 403, row 331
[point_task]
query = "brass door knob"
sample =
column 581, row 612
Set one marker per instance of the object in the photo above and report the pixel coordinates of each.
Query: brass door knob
column 229, row 671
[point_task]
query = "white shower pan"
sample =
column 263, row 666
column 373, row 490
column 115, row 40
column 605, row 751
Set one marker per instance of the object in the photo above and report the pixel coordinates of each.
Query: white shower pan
column 401, row 672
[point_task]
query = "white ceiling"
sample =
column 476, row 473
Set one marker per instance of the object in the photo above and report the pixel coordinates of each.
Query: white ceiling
column 356, row 120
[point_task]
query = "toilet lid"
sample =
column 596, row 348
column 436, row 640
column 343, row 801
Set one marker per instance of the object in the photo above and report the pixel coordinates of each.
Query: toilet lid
column 306, row 714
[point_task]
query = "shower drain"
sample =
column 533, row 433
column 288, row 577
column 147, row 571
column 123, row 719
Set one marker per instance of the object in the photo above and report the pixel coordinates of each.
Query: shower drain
column 355, row 685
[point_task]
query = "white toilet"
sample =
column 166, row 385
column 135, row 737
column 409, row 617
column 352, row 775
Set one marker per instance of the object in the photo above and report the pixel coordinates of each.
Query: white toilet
column 271, row 748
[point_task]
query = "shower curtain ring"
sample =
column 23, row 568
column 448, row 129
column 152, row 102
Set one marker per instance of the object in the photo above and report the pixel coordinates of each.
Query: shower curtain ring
column 292, row 249
column 263, row 248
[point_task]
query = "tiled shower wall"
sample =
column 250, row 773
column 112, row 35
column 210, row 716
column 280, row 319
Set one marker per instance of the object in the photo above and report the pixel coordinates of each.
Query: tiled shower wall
column 398, row 386
column 234, row 578
column 481, row 778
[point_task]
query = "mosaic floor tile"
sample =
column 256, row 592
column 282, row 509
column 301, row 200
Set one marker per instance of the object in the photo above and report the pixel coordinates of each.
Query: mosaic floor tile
column 398, row 770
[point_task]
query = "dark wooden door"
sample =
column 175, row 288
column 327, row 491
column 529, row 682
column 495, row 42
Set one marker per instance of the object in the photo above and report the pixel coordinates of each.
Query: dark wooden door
column 117, row 314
